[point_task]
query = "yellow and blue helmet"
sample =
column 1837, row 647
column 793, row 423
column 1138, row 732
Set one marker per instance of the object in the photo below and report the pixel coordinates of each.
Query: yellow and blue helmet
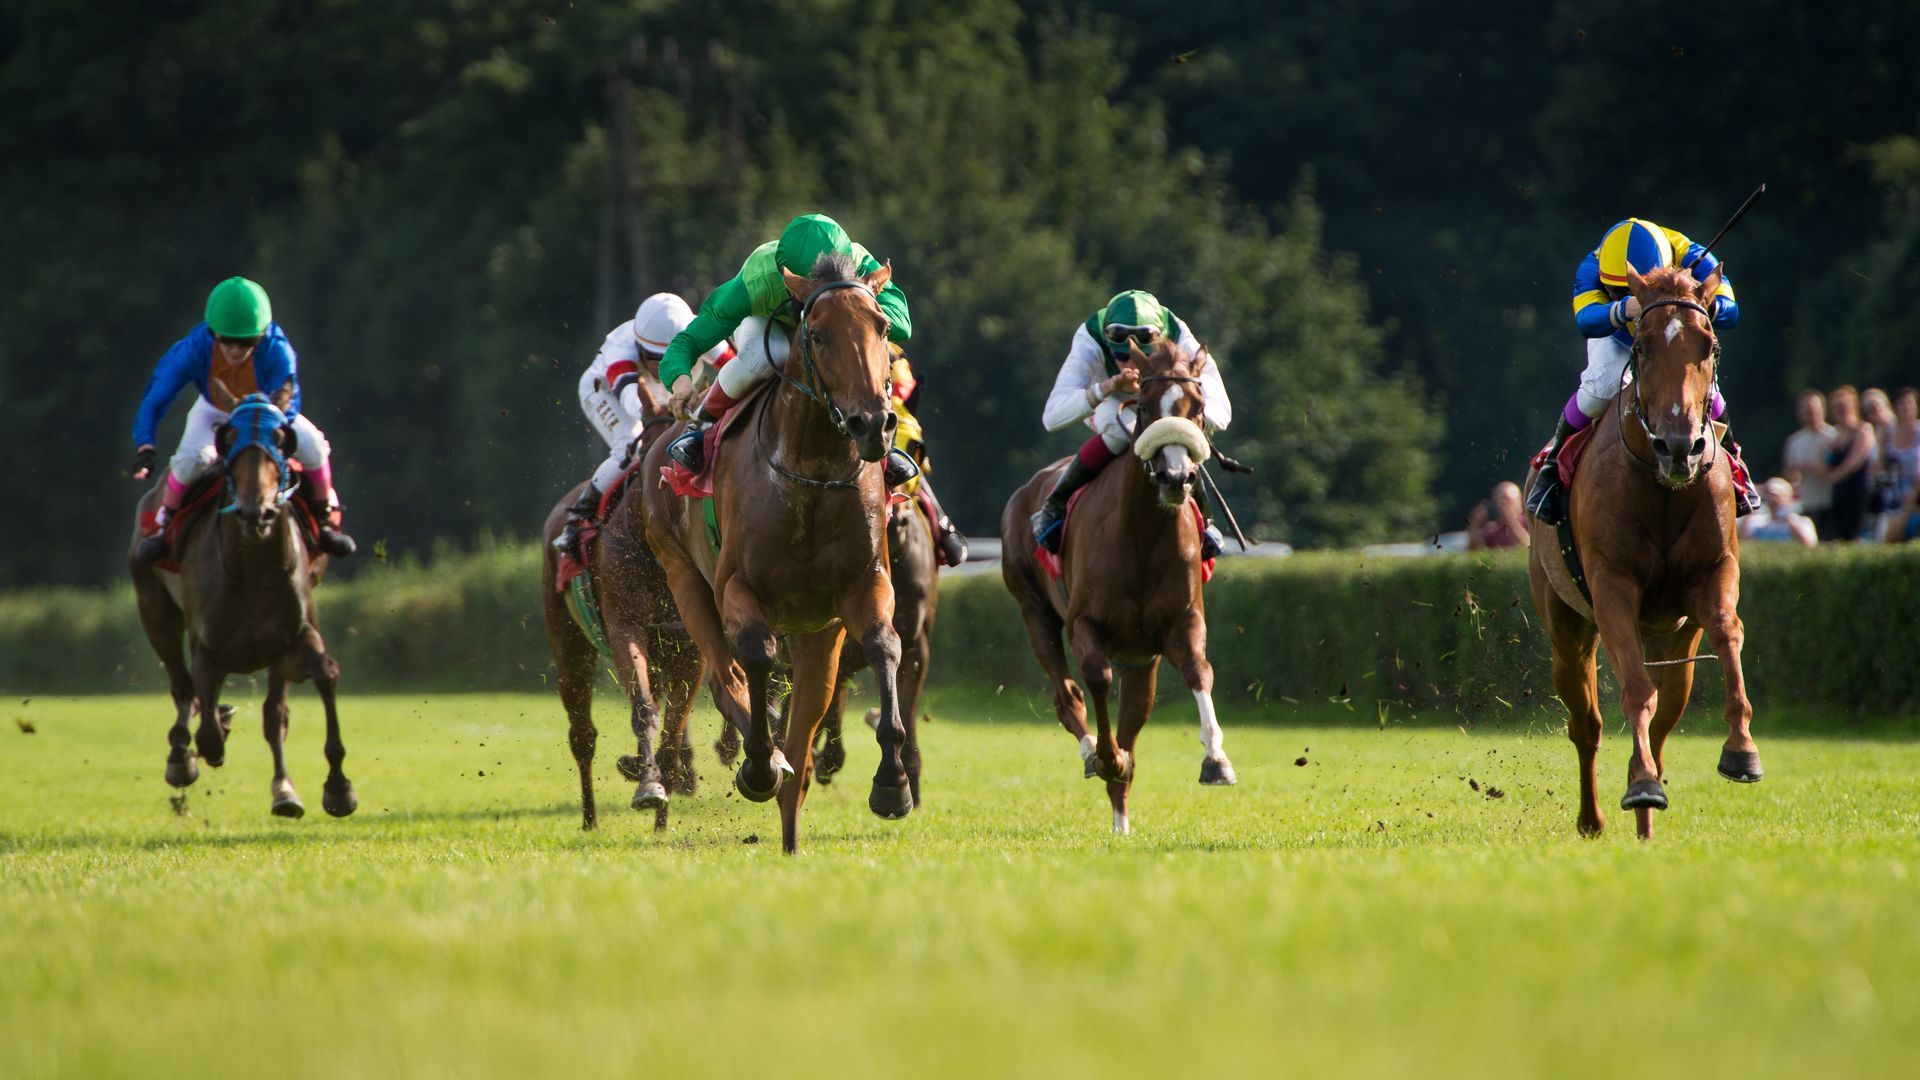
column 1633, row 242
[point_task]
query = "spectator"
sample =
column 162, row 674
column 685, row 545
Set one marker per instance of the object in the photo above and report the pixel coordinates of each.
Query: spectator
column 1777, row 520
column 1900, row 465
column 1805, row 458
column 1877, row 411
column 1498, row 522
column 1847, row 464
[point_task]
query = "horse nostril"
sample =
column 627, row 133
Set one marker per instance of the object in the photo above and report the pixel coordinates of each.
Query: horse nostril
column 856, row 425
column 1699, row 446
column 890, row 422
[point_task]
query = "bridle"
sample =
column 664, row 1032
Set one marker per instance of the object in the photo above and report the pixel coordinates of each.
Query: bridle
column 814, row 387
column 1637, row 404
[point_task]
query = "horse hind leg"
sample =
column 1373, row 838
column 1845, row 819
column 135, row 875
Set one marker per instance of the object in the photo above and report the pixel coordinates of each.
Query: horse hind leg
column 830, row 752
column 1044, row 631
column 1136, row 704
column 573, row 678
column 273, row 725
column 1673, row 686
column 165, row 629
column 1575, row 681
column 209, row 739
column 754, row 649
column 1096, row 672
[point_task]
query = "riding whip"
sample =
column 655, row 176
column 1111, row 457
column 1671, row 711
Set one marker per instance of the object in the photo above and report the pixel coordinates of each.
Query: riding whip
column 1724, row 229
column 1213, row 492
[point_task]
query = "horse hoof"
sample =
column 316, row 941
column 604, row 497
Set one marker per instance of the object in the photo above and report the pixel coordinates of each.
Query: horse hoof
column 828, row 762
column 289, row 807
column 752, row 789
column 339, row 801
column 629, row 766
column 183, row 773
column 891, row 803
column 728, row 744
column 1644, row 794
column 1217, row 772
column 1741, row 766
column 650, row 796
column 1091, row 770
column 681, row 777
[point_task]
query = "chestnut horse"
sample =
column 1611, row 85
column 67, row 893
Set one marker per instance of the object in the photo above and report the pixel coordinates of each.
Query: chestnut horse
column 1652, row 514
column 243, row 600
column 801, row 507
column 914, row 571
column 1132, row 583
column 649, row 647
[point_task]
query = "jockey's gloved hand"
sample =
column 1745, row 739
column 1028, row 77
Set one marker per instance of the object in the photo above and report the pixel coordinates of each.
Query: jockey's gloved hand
column 142, row 462
column 684, row 396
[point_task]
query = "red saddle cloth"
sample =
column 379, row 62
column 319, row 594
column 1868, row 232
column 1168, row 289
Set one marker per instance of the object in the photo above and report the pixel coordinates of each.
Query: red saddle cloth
column 681, row 480
column 200, row 499
column 572, row 563
column 1576, row 445
column 1056, row 569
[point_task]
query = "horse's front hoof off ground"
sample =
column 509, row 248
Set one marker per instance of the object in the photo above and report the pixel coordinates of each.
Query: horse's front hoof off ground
column 339, row 801
column 1741, row 766
column 756, row 784
column 1217, row 772
column 286, row 801
column 1644, row 795
column 650, row 796
column 183, row 773
column 630, row 768
column 892, row 803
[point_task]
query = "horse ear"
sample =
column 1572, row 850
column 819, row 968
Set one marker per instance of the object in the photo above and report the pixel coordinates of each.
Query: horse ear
column 1707, row 288
column 797, row 287
column 223, row 398
column 879, row 278
column 223, row 439
column 1135, row 357
column 1636, row 284
column 283, row 397
column 289, row 441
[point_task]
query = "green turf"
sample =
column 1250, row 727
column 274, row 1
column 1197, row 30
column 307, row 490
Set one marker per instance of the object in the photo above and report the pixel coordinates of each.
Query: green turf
column 1369, row 912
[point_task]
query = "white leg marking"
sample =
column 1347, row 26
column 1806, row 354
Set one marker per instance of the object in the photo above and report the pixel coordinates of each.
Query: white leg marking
column 1120, row 824
column 1087, row 746
column 1212, row 739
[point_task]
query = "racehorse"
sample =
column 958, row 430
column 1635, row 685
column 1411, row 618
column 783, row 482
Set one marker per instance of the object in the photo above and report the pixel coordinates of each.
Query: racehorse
column 243, row 599
column 914, row 571
column 649, row 647
column 801, row 511
column 1652, row 517
column 1130, row 591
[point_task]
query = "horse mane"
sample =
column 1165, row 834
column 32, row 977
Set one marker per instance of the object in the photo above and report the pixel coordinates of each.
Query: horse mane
column 1665, row 281
column 834, row 266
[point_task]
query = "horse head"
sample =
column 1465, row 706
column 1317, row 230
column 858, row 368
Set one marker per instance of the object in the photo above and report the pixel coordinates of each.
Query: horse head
column 1168, row 438
column 1675, row 362
column 254, row 445
column 842, row 345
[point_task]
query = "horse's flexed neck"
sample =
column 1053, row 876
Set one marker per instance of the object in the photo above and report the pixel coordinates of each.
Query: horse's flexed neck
column 839, row 362
column 1675, row 360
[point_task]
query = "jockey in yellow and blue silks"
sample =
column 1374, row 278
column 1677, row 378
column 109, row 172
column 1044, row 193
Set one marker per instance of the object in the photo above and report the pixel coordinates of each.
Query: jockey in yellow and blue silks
column 1608, row 316
column 239, row 344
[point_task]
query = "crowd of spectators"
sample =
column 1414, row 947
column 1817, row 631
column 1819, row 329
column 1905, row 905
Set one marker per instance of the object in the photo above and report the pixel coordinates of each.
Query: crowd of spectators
column 1851, row 471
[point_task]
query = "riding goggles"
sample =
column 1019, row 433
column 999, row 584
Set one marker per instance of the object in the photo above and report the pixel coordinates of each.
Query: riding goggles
column 1145, row 335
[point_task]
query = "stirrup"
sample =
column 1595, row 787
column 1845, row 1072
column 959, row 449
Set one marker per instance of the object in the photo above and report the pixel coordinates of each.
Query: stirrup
column 1212, row 543
column 689, row 449
column 952, row 545
column 336, row 543
column 900, row 467
column 1546, row 501
column 151, row 548
column 1047, row 522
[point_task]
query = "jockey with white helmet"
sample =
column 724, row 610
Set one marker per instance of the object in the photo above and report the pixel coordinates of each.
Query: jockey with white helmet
column 611, row 393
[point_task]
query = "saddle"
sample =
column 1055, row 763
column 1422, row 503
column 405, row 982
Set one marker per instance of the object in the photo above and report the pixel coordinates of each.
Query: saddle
column 200, row 499
column 1056, row 567
column 682, row 481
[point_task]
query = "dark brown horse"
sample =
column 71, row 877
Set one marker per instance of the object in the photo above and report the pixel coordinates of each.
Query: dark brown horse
column 650, row 649
column 802, row 513
column 243, row 600
column 1652, row 515
column 1132, row 583
column 914, row 570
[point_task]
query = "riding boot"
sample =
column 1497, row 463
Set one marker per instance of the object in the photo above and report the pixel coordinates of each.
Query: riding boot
column 1745, row 499
column 1547, row 501
column 952, row 545
column 689, row 449
column 1212, row 543
column 154, row 544
column 576, row 516
column 1047, row 520
column 900, row 468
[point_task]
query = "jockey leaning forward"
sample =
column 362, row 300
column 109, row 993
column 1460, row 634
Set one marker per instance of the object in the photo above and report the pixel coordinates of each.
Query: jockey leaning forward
column 239, row 344
column 1096, row 387
column 1609, row 317
column 611, row 394
column 747, row 307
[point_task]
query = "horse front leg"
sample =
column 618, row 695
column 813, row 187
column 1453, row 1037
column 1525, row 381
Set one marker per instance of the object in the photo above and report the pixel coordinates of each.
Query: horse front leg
column 1136, row 704
column 815, row 678
column 273, row 724
column 1110, row 763
column 755, row 649
column 1715, row 606
column 870, row 609
column 1616, row 608
column 210, row 738
column 337, row 796
column 165, row 628
column 1186, row 646
column 642, row 766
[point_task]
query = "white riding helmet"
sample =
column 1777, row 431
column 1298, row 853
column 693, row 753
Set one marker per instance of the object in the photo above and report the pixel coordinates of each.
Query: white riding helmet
column 659, row 320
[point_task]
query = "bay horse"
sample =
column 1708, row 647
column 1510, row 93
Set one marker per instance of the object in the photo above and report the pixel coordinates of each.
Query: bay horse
column 1131, row 591
column 649, row 647
column 1652, row 517
column 801, row 508
column 243, row 600
column 914, row 571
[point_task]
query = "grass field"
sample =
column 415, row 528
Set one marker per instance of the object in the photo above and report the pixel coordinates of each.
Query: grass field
column 1369, row 912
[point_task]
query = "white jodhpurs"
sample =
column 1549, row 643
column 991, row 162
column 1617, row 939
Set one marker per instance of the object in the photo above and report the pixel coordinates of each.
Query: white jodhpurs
column 612, row 422
column 754, row 363
column 1600, row 382
column 197, row 453
column 1113, row 420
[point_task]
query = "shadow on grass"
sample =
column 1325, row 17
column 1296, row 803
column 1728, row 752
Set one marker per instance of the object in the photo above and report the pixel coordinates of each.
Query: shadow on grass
column 288, row 835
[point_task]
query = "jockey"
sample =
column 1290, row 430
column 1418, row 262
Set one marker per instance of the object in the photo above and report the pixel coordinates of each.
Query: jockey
column 611, row 394
column 1608, row 316
column 240, row 345
column 909, row 439
column 743, row 307
column 1094, row 387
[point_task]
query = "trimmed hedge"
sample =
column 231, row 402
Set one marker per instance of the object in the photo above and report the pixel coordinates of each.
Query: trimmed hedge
column 1833, row 627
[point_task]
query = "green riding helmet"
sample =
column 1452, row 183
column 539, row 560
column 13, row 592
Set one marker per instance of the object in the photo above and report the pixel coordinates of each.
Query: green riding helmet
column 238, row 308
column 1132, row 310
column 808, row 237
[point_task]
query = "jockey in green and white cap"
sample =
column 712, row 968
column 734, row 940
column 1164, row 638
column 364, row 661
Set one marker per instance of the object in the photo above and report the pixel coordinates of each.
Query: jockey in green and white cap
column 1094, row 388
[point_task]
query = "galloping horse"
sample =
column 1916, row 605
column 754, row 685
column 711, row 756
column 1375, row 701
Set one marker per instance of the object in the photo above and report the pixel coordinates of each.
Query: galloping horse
column 914, row 571
column 650, row 649
column 243, row 598
column 1132, row 579
column 801, row 510
column 1652, row 516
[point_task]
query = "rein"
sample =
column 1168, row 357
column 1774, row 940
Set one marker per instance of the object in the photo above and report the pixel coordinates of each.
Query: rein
column 814, row 388
column 1638, row 405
